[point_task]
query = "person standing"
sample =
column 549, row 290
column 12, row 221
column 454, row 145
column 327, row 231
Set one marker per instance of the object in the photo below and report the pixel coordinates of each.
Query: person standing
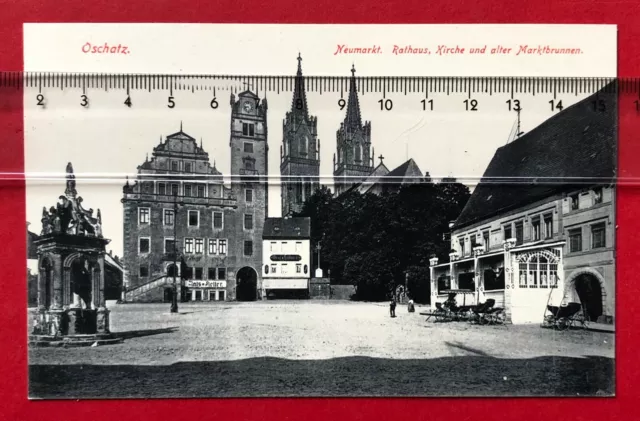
column 392, row 307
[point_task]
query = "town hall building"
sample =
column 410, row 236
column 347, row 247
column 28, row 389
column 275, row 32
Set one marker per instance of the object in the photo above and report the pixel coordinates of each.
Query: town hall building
column 178, row 209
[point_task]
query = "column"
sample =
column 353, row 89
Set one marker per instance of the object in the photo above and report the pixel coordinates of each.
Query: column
column 432, row 278
column 58, row 279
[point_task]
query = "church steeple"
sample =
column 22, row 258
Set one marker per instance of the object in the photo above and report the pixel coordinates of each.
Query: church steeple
column 299, row 100
column 353, row 120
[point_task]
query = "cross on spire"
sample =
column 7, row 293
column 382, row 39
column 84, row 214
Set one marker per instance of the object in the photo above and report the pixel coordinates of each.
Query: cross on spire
column 381, row 158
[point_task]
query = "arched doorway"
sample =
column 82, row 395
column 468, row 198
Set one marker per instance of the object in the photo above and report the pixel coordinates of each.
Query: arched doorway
column 171, row 270
column 590, row 293
column 80, row 282
column 246, row 284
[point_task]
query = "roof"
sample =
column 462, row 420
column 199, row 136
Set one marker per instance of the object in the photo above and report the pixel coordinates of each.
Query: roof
column 353, row 120
column 577, row 142
column 287, row 228
column 380, row 171
column 407, row 172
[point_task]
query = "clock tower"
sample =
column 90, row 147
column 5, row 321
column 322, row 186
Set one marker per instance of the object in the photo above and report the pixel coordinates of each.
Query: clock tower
column 249, row 173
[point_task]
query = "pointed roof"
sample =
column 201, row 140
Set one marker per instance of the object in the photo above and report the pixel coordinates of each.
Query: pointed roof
column 406, row 172
column 577, row 143
column 299, row 94
column 353, row 120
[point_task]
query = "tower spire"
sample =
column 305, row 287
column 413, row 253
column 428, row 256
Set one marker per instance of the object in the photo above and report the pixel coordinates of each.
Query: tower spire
column 299, row 101
column 353, row 119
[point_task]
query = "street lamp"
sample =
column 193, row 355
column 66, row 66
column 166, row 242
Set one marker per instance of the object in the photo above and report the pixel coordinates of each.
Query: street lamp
column 174, row 294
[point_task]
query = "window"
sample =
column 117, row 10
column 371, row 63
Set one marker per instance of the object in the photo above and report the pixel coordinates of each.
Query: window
column 199, row 245
column 212, row 295
column 474, row 242
column 273, row 267
column 358, row 153
column 284, row 269
column 535, row 229
column 507, row 232
column 249, row 164
column 221, row 295
column 188, row 245
column 519, row 232
column 218, row 220
column 144, row 215
column 199, row 274
column 222, row 274
column 168, row 217
column 248, row 221
column 213, row 246
column 248, row 129
column 248, row 195
column 285, row 247
column 200, row 191
column 188, row 273
column 162, row 188
column 575, row 240
column 188, row 167
column 211, row 274
column 548, row 226
column 144, row 271
column 461, row 242
column 575, row 201
column 174, row 165
column 248, row 147
column 174, row 189
column 194, row 218
column 222, row 246
column 187, row 189
column 486, row 242
column 274, row 247
column 169, row 245
column 598, row 236
column 493, row 279
column 298, row 247
column 144, row 245
column 298, row 268
column 597, row 195
column 248, row 248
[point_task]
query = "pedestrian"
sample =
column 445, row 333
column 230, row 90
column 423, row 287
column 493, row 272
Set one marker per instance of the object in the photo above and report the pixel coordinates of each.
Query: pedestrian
column 392, row 307
column 411, row 307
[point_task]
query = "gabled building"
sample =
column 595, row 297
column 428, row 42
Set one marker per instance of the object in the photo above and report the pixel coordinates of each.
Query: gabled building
column 179, row 208
column 286, row 257
column 300, row 150
column 353, row 160
column 383, row 181
column 539, row 228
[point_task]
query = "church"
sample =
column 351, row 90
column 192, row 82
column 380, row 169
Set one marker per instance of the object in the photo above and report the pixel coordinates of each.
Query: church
column 179, row 194
column 353, row 162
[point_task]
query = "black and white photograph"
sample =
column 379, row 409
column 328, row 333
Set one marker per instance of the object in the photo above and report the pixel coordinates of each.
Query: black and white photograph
column 305, row 236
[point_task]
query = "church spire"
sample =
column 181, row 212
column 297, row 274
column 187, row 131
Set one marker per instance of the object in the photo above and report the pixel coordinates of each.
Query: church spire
column 353, row 120
column 299, row 101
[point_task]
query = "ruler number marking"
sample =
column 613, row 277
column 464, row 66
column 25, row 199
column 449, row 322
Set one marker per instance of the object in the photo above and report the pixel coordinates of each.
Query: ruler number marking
column 385, row 104
column 342, row 103
column 40, row 99
column 84, row 101
column 171, row 103
column 513, row 105
column 471, row 104
column 127, row 102
column 426, row 103
column 556, row 106
column 214, row 103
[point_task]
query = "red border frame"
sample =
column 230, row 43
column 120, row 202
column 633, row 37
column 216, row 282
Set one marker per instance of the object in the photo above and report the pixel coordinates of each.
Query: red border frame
column 13, row 372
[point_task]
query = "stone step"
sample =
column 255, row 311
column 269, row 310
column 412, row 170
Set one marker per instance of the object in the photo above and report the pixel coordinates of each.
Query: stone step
column 73, row 343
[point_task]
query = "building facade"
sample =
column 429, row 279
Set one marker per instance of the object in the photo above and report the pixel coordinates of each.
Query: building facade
column 300, row 151
column 353, row 160
column 179, row 195
column 286, row 256
column 542, row 241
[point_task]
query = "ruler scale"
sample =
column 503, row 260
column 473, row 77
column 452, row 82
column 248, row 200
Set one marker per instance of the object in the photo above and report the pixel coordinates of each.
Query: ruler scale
column 401, row 95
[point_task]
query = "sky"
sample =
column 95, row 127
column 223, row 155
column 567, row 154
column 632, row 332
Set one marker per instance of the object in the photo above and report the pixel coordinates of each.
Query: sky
column 108, row 140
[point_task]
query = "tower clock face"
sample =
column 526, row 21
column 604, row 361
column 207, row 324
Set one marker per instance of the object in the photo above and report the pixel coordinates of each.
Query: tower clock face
column 247, row 106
